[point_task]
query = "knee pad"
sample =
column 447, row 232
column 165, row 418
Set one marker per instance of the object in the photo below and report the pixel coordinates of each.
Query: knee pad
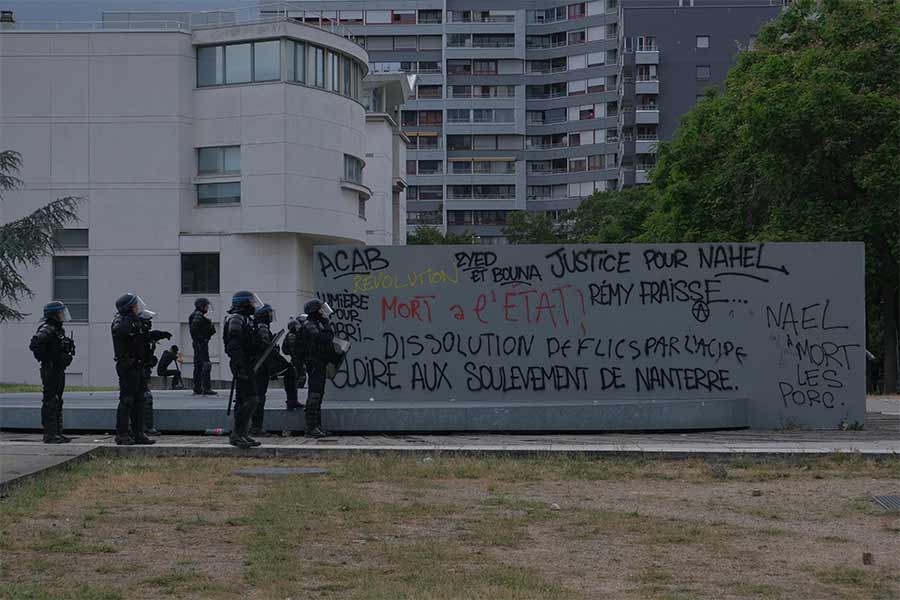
column 207, row 368
column 126, row 401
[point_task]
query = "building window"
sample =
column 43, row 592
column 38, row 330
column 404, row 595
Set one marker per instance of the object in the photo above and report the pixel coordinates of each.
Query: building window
column 70, row 284
column 430, row 16
column 431, row 167
column 71, row 239
column 361, row 206
column 353, row 169
column 319, row 62
column 222, row 160
column 267, row 61
column 703, row 41
column 484, row 67
column 218, row 193
column 702, row 72
column 459, row 67
column 200, row 273
column 431, row 117
column 403, row 17
column 237, row 63
column 430, row 91
column 458, row 115
column 210, row 66
column 297, row 61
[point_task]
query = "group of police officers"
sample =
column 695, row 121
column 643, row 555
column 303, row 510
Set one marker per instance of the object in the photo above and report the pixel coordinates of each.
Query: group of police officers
column 249, row 344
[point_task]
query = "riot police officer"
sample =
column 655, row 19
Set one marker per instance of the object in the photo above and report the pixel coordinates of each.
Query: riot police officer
column 132, row 336
column 243, row 347
column 149, row 361
column 293, row 349
column 54, row 351
column 275, row 365
column 202, row 329
column 317, row 337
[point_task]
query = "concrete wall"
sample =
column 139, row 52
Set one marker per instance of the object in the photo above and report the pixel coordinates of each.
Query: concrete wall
column 641, row 336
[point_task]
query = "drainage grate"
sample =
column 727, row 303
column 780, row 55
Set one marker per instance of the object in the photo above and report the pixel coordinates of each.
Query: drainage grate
column 891, row 503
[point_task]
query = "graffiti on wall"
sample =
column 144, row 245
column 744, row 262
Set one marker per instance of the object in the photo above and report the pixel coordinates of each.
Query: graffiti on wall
column 779, row 324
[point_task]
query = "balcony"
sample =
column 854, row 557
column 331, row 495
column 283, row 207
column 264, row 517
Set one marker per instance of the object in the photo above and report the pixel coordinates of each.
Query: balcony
column 646, row 145
column 646, row 115
column 556, row 171
column 646, row 86
column 640, row 176
column 647, row 57
column 563, row 144
column 547, row 70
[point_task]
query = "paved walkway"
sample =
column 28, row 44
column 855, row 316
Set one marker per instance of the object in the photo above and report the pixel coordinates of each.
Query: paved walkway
column 23, row 454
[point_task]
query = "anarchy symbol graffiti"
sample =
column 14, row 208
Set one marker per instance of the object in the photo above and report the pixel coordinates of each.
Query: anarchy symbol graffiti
column 700, row 311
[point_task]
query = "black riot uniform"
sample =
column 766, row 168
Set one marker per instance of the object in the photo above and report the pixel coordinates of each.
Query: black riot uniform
column 149, row 361
column 54, row 351
column 132, row 337
column 202, row 329
column 243, row 347
column 293, row 349
column 317, row 337
column 275, row 365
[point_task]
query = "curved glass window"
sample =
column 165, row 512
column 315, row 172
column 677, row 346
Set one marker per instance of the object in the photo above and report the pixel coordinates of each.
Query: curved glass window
column 261, row 61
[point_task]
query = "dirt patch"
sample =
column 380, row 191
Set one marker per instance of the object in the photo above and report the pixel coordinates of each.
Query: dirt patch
column 389, row 527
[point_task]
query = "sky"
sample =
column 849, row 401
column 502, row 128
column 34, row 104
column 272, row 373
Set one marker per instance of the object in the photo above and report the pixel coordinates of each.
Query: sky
column 91, row 10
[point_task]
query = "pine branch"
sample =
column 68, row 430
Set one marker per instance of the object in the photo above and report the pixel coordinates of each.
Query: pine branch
column 10, row 161
column 24, row 242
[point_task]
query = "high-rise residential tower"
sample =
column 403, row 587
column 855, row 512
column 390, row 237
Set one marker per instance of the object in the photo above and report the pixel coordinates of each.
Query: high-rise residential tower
column 535, row 105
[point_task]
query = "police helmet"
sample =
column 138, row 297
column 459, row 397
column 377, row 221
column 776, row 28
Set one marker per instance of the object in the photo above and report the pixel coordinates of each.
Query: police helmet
column 125, row 302
column 245, row 301
column 265, row 313
column 57, row 310
column 313, row 306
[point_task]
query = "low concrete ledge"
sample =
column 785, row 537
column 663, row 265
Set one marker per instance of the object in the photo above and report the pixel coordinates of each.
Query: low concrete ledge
column 178, row 411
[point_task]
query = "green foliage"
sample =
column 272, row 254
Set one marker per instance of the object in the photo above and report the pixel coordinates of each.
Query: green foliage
column 535, row 228
column 24, row 242
column 801, row 145
column 426, row 235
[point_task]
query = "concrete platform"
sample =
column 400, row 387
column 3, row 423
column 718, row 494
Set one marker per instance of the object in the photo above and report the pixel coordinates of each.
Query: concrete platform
column 19, row 462
column 180, row 411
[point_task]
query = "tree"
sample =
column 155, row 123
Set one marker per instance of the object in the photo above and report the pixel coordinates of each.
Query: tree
column 24, row 242
column 426, row 235
column 534, row 228
column 612, row 217
column 801, row 145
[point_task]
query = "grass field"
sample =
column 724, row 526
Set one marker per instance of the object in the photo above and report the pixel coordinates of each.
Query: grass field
column 442, row 528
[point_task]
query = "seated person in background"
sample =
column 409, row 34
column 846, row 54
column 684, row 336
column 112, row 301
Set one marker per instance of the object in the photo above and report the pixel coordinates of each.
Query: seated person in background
column 170, row 357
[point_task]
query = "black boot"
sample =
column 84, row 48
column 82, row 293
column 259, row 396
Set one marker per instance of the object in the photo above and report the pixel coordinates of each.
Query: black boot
column 138, row 426
column 149, row 428
column 59, row 423
column 312, row 423
column 123, row 418
column 49, row 422
column 240, row 435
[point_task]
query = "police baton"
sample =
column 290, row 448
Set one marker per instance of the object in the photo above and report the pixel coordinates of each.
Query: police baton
column 230, row 398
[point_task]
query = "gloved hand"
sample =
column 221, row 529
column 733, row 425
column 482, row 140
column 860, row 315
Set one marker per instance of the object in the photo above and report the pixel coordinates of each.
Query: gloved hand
column 66, row 360
column 157, row 335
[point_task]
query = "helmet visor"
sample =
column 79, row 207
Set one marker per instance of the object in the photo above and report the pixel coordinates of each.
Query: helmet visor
column 64, row 315
column 255, row 301
column 141, row 310
column 326, row 310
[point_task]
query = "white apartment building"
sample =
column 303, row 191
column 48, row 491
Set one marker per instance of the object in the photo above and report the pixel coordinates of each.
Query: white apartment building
column 210, row 159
